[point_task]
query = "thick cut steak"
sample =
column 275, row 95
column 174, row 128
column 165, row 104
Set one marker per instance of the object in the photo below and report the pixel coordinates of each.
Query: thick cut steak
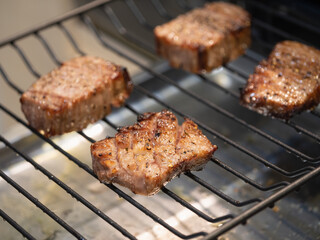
column 79, row 92
column 145, row 156
column 205, row 38
column 285, row 84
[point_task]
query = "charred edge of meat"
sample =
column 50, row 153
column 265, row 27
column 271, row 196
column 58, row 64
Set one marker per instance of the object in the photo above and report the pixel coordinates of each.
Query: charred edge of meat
column 158, row 44
column 202, row 58
column 145, row 116
column 127, row 79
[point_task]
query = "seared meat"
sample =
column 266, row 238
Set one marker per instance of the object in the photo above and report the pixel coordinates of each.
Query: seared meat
column 79, row 92
column 285, row 84
column 204, row 38
column 147, row 155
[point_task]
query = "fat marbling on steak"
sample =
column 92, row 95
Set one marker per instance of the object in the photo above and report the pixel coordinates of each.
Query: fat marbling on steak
column 79, row 92
column 145, row 156
column 285, row 84
column 205, row 38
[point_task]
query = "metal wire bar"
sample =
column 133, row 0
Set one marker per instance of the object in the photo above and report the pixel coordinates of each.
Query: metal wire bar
column 183, row 5
column 69, row 190
column 275, row 30
column 255, row 57
column 262, row 205
column 156, row 218
column 110, row 123
column 17, row 226
column 25, row 60
column 40, row 205
column 48, row 49
column 121, row 29
column 222, row 111
column 161, row 10
column 317, row 114
column 70, row 38
column 86, row 136
column 300, row 129
column 278, row 31
column 221, row 194
column 49, row 23
column 195, row 210
column 238, row 72
column 216, row 85
column 275, row 12
column 111, row 186
column 115, row 21
column 135, row 10
column 246, row 179
column 10, row 83
column 131, row 109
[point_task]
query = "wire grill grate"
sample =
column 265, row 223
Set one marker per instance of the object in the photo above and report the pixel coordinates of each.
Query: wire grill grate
column 299, row 176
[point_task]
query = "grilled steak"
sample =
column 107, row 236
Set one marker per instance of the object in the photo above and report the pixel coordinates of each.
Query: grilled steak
column 287, row 83
column 147, row 155
column 204, row 38
column 79, row 92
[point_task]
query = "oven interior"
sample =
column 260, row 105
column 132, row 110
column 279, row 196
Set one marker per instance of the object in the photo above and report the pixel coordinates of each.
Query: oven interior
column 48, row 189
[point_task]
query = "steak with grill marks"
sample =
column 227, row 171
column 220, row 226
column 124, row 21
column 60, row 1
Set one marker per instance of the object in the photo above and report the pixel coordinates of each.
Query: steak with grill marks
column 145, row 156
column 79, row 92
column 285, row 84
column 204, row 38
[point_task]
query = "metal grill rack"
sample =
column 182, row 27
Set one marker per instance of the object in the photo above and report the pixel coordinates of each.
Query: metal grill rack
column 264, row 36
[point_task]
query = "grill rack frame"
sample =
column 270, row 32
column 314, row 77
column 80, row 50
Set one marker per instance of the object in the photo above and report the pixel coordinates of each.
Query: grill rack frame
column 304, row 174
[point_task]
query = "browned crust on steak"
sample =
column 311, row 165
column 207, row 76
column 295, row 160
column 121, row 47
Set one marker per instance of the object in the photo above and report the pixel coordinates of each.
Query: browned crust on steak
column 287, row 83
column 145, row 156
column 79, row 92
column 204, row 38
